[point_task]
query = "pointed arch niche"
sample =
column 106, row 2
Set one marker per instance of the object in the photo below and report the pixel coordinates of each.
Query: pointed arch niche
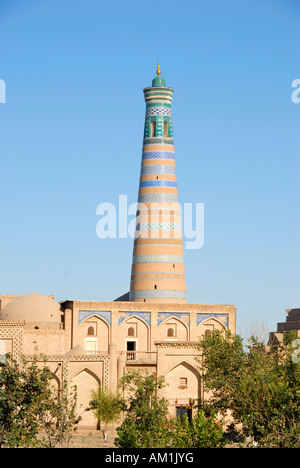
column 85, row 381
column 183, row 384
column 134, row 333
column 211, row 324
column 94, row 334
column 173, row 329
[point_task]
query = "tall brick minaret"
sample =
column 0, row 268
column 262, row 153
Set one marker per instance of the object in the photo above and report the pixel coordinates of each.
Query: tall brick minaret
column 157, row 273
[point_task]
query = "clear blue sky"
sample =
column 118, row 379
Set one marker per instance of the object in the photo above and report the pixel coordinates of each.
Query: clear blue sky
column 71, row 137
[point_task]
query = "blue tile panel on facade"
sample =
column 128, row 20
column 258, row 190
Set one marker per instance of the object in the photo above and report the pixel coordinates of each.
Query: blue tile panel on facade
column 158, row 261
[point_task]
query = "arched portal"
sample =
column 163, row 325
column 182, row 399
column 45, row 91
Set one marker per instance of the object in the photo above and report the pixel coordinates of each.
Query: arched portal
column 85, row 381
column 183, row 387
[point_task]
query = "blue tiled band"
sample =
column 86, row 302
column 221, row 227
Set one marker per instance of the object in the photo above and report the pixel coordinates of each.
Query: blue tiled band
column 158, row 183
column 158, row 155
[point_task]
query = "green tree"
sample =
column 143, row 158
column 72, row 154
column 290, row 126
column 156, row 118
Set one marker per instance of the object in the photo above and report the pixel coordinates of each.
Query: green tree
column 201, row 432
column 259, row 386
column 107, row 406
column 145, row 423
column 29, row 405
column 57, row 416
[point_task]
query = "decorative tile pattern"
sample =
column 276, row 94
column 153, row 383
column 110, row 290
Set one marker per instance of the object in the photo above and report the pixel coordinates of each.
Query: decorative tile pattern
column 83, row 314
column 184, row 317
column 157, row 197
column 158, row 141
column 157, row 293
column 13, row 331
column 223, row 318
column 158, row 111
column 86, row 358
column 158, row 226
column 157, row 155
column 157, row 259
column 158, row 169
column 160, row 104
column 146, row 316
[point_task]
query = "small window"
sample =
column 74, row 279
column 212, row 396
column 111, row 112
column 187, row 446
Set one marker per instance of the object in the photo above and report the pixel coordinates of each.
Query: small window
column 91, row 331
column 166, row 129
column 170, row 332
column 155, row 286
column 183, row 381
column 209, row 328
column 131, row 331
column 153, row 128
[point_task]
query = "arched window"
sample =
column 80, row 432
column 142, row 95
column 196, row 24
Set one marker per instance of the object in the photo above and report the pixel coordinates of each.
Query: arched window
column 166, row 129
column 170, row 332
column 131, row 331
column 153, row 128
column 91, row 331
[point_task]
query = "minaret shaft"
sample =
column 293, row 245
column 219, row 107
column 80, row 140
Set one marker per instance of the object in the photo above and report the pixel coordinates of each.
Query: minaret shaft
column 158, row 260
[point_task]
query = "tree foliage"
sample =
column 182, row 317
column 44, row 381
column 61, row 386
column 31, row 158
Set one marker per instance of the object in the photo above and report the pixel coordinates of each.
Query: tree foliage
column 259, row 386
column 29, row 406
column 201, row 432
column 57, row 416
column 106, row 405
column 147, row 423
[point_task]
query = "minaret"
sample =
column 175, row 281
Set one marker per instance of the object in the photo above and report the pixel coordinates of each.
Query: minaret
column 157, row 273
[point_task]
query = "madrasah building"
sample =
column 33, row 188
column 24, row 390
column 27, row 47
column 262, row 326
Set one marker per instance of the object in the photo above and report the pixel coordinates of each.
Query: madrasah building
column 152, row 328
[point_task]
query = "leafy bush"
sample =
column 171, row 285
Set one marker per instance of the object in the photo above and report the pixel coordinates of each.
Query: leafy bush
column 258, row 385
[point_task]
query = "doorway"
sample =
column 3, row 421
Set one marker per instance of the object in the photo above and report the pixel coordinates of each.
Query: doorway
column 131, row 349
column 182, row 410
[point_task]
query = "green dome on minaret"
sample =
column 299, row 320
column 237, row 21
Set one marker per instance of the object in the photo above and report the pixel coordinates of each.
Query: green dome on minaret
column 158, row 81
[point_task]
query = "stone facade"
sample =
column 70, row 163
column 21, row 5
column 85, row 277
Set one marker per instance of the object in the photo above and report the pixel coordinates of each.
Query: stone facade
column 94, row 343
